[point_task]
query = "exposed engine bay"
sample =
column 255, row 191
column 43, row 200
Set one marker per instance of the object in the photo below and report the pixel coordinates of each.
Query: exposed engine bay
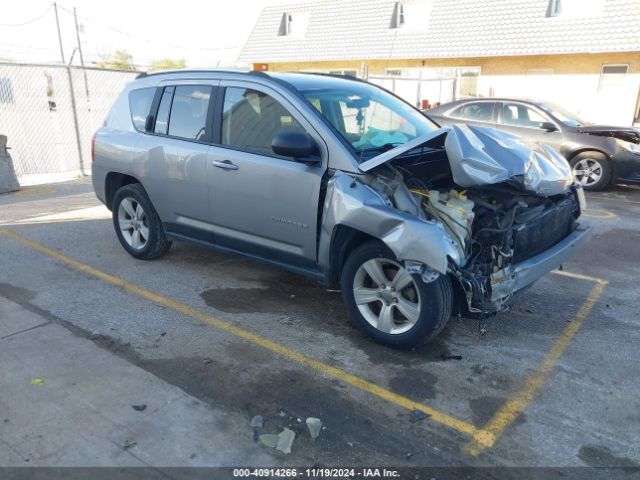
column 494, row 226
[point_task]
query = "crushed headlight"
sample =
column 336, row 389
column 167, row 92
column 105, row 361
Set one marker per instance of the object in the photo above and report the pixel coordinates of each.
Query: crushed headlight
column 631, row 147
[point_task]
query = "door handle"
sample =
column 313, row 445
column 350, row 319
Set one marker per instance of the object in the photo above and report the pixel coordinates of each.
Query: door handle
column 226, row 164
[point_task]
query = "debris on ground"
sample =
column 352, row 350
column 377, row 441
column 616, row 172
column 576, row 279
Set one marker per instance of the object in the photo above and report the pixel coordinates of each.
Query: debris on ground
column 417, row 416
column 139, row 408
column 314, row 425
column 446, row 356
column 37, row 381
column 257, row 421
column 283, row 413
column 128, row 444
column 269, row 439
column 283, row 441
column 207, row 361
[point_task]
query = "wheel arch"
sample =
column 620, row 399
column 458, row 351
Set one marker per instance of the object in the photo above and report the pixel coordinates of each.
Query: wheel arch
column 344, row 240
column 571, row 155
column 115, row 181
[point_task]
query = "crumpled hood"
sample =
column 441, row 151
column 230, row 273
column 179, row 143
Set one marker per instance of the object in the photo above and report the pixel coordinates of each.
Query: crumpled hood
column 627, row 134
column 485, row 156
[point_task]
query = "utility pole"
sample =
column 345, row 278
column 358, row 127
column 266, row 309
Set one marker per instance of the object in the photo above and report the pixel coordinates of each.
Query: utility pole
column 72, row 95
column 55, row 9
column 86, row 83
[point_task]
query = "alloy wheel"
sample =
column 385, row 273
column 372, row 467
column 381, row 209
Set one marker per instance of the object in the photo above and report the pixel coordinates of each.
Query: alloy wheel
column 587, row 172
column 387, row 295
column 133, row 222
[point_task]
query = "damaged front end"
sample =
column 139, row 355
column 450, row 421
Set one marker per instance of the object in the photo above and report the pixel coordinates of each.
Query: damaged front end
column 492, row 210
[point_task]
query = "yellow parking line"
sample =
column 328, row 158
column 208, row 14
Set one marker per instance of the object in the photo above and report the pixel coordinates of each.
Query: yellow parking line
column 602, row 214
column 286, row 352
column 35, row 191
column 482, row 438
column 580, row 276
column 486, row 436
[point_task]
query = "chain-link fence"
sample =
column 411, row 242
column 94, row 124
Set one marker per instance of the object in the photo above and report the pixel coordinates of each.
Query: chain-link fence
column 418, row 91
column 49, row 113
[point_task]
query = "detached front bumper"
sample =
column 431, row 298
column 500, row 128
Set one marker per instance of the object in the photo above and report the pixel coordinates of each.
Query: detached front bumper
column 519, row 276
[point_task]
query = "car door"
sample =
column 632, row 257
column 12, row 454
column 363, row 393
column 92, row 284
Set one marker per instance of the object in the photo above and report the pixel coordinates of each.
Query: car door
column 526, row 121
column 177, row 149
column 261, row 203
column 481, row 113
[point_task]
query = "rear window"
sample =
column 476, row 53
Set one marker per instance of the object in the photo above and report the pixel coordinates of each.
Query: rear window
column 140, row 106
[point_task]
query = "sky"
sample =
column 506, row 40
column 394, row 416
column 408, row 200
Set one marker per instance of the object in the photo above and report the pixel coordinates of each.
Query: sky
column 206, row 33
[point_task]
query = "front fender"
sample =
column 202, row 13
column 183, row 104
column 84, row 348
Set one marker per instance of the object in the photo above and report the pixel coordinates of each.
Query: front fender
column 351, row 203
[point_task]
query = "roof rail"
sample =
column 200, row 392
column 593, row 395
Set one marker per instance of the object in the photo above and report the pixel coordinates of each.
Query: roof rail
column 211, row 70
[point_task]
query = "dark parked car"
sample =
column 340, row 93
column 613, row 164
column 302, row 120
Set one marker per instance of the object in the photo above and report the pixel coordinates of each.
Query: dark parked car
column 598, row 154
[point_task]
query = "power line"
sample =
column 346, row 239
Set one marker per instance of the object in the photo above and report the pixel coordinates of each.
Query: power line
column 148, row 40
column 27, row 22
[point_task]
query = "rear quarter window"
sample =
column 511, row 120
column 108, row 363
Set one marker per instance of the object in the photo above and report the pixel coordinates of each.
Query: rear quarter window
column 140, row 101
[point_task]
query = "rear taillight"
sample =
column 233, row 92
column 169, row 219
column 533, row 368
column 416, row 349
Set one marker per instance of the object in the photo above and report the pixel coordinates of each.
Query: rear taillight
column 93, row 147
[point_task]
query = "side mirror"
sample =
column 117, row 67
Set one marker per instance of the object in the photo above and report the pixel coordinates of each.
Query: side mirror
column 299, row 145
column 148, row 123
column 548, row 126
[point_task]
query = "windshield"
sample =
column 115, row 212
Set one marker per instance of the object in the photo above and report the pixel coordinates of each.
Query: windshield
column 566, row 117
column 370, row 119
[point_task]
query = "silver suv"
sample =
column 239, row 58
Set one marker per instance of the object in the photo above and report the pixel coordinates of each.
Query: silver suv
column 342, row 181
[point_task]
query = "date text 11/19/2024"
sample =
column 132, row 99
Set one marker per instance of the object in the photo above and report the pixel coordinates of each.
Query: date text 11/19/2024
column 316, row 473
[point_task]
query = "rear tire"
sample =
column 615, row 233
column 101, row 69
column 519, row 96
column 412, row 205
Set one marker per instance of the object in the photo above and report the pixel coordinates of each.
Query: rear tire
column 137, row 223
column 398, row 309
column 592, row 170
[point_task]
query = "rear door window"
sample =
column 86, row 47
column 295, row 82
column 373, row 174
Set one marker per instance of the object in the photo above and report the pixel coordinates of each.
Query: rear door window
column 474, row 111
column 189, row 109
column 140, row 101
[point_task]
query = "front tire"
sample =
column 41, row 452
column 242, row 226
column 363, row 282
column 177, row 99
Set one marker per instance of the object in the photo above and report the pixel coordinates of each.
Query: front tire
column 592, row 170
column 389, row 304
column 137, row 223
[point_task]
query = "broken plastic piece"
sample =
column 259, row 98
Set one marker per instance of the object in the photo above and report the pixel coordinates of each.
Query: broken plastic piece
column 257, row 421
column 37, row 381
column 139, row 408
column 282, row 441
column 418, row 416
column 314, row 425
column 285, row 440
column 269, row 439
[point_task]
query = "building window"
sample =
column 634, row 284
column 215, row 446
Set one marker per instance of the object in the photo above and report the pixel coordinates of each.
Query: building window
column 293, row 24
column 612, row 77
column 411, row 14
column 574, row 8
column 400, row 18
column 555, row 7
column 344, row 73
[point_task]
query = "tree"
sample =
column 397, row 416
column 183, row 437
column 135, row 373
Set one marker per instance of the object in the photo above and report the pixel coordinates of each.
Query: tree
column 118, row 60
column 167, row 64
